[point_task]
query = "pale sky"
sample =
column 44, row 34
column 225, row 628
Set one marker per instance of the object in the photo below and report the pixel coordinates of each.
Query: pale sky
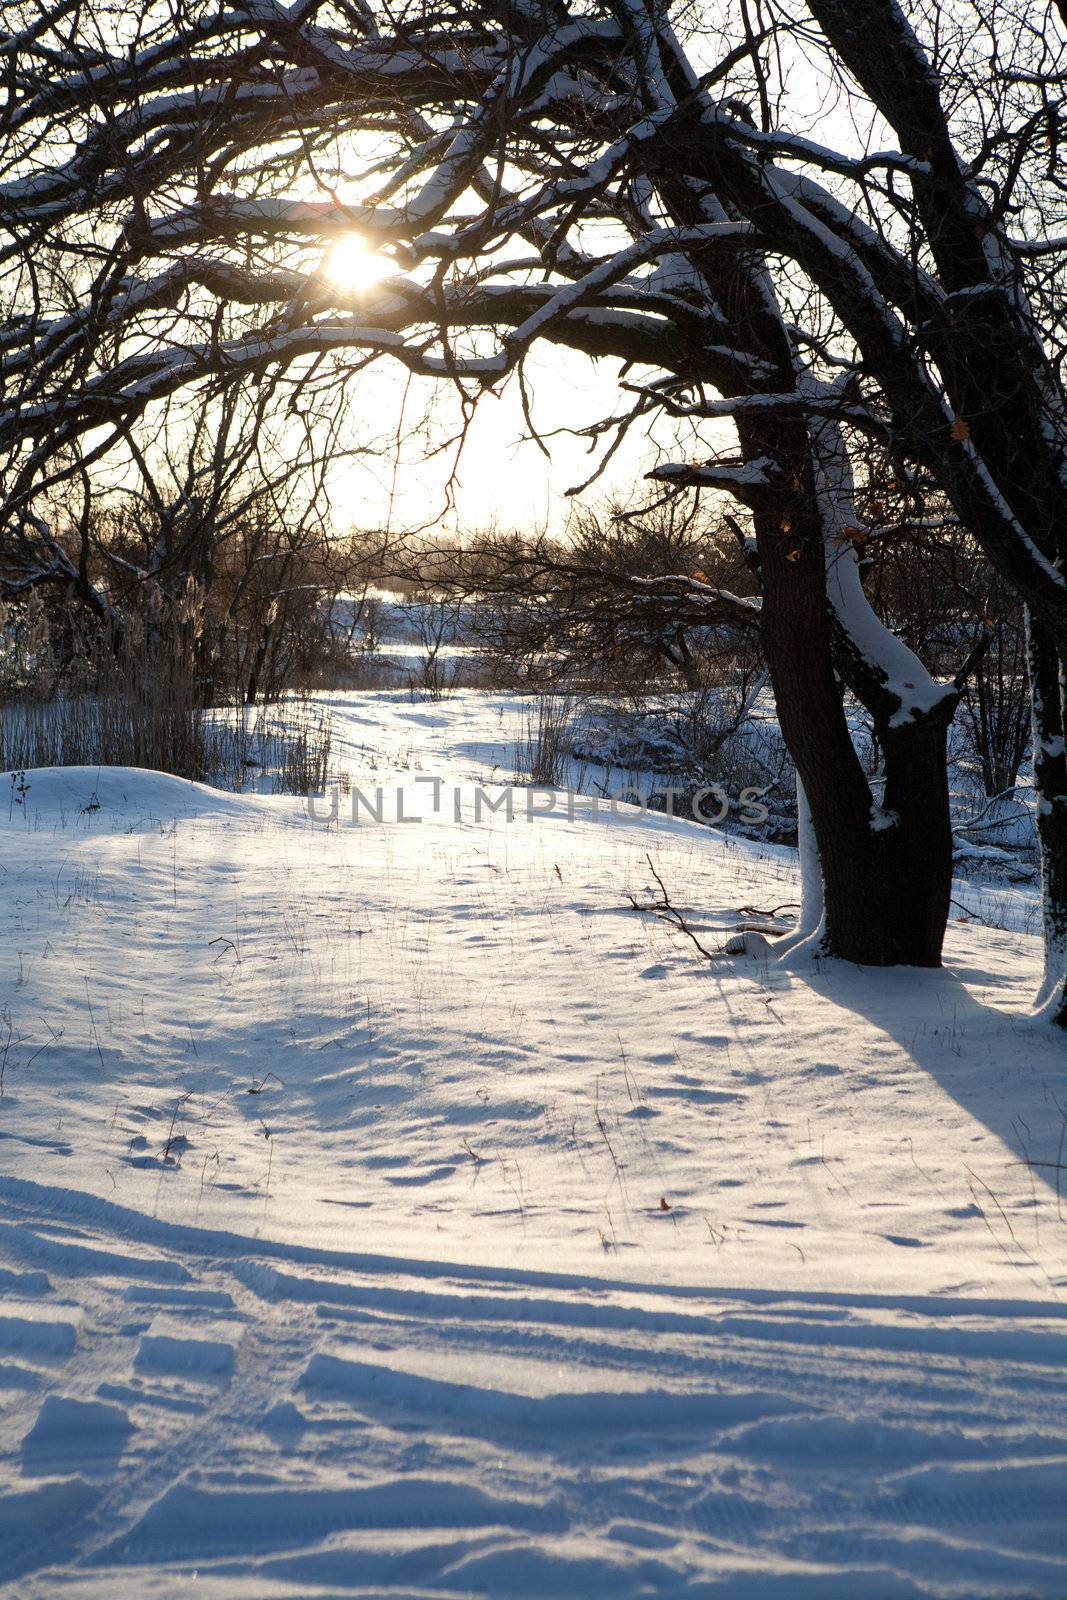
column 502, row 476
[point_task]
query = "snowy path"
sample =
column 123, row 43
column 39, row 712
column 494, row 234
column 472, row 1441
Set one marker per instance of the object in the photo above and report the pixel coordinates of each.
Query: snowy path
column 391, row 1210
column 281, row 1422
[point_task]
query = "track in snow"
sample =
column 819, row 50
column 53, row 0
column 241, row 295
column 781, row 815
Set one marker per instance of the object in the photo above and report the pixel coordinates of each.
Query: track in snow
column 285, row 1422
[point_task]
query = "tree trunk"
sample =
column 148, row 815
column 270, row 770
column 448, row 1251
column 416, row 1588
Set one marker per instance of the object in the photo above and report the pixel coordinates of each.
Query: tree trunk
column 680, row 656
column 909, row 877
column 886, row 869
column 809, row 933
column 252, row 687
column 1048, row 692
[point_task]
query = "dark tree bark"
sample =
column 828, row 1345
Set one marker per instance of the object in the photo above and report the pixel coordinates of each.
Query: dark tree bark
column 1048, row 679
column 886, row 869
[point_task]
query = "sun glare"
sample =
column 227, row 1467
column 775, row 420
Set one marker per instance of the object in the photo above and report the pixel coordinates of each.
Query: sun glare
column 351, row 265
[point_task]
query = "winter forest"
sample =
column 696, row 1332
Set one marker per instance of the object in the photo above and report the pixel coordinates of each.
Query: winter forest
column 533, row 799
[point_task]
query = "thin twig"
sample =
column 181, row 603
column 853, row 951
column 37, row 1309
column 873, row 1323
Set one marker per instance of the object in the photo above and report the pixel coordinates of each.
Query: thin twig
column 666, row 912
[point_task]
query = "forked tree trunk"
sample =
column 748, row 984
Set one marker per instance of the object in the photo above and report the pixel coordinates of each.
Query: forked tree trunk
column 1048, row 690
column 886, row 870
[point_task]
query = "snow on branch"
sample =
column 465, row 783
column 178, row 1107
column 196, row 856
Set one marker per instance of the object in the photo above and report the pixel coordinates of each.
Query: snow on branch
column 618, row 267
column 743, row 609
column 742, row 478
column 792, row 404
column 889, row 677
column 1033, row 249
column 801, row 149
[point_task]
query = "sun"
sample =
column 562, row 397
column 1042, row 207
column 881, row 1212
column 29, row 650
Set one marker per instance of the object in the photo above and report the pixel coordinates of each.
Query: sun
column 350, row 264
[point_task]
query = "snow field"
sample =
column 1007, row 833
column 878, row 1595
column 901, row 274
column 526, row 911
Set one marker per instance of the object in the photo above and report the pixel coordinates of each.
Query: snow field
column 392, row 1210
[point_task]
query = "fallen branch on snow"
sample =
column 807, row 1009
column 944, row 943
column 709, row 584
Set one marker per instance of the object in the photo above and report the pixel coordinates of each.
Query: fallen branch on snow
column 666, row 912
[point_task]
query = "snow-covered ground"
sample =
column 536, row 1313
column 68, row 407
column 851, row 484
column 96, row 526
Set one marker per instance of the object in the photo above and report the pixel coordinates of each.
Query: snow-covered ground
column 389, row 1209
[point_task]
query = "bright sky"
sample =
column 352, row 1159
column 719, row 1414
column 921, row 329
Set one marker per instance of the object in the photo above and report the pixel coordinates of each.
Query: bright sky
column 502, row 475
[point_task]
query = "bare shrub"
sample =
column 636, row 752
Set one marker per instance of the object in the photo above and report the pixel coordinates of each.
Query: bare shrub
column 290, row 756
column 435, row 623
column 995, row 709
column 140, row 699
column 299, row 758
column 541, row 753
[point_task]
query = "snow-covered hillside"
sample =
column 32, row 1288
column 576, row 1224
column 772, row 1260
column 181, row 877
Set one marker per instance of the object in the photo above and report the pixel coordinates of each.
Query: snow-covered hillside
column 390, row 1209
